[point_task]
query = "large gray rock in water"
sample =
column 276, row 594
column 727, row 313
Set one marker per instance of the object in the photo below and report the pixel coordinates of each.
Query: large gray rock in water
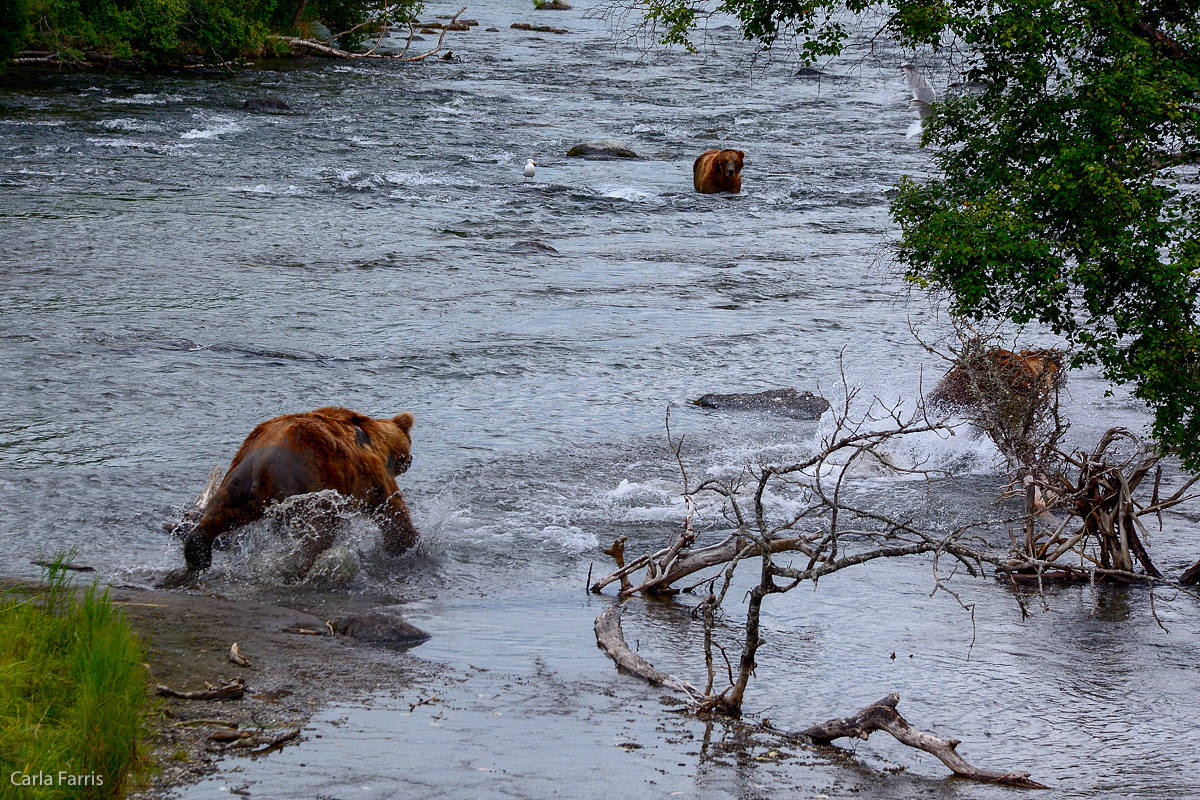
column 375, row 627
column 605, row 148
column 788, row 402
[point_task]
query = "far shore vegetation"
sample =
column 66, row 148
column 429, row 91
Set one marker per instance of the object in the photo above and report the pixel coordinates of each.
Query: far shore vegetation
column 157, row 34
column 72, row 692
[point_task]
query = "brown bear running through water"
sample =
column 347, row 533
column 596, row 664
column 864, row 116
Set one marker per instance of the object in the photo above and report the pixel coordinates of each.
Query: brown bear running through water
column 719, row 171
column 330, row 448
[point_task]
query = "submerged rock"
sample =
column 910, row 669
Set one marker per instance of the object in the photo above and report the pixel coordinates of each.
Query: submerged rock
column 551, row 5
column 375, row 627
column 788, row 402
column 525, row 26
column 268, row 105
column 530, row 246
column 604, row 148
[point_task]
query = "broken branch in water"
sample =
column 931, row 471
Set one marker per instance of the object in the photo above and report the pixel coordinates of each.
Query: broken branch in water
column 882, row 716
column 611, row 640
column 57, row 565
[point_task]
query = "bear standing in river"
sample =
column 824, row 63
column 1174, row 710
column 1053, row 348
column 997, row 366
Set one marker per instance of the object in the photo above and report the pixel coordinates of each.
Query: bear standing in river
column 998, row 375
column 719, row 171
column 330, row 448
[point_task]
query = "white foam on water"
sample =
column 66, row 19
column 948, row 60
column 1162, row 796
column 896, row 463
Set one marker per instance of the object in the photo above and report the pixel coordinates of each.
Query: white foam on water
column 136, row 144
column 37, row 123
column 220, row 128
column 129, row 124
column 262, row 188
column 571, row 538
column 142, row 100
column 418, row 178
column 661, row 129
column 630, row 193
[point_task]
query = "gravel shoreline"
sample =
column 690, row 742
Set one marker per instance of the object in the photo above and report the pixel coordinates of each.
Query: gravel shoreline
column 292, row 674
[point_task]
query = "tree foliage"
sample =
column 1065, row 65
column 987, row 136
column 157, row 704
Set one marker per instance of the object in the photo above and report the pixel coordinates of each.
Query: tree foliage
column 1064, row 189
column 14, row 27
column 152, row 33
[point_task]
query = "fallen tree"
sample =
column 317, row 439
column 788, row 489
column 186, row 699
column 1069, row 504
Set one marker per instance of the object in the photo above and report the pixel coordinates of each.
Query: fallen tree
column 1083, row 509
column 829, row 532
column 328, row 50
column 829, row 529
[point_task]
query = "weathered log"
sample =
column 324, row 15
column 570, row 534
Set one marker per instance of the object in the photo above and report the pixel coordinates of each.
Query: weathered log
column 882, row 716
column 230, row 691
column 611, row 640
column 230, row 740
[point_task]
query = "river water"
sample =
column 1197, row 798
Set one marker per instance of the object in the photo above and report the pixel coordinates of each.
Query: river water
column 177, row 269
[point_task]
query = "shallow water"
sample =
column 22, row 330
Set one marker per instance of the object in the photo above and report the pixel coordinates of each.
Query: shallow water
column 177, row 269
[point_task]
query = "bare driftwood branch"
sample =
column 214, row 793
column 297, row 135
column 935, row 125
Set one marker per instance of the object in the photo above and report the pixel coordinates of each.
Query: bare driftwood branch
column 222, row 741
column 611, row 640
column 306, row 632
column 230, row 691
column 237, row 658
column 882, row 716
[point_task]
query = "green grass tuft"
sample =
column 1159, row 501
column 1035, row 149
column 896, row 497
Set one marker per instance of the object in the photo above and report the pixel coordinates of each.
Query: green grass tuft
column 72, row 691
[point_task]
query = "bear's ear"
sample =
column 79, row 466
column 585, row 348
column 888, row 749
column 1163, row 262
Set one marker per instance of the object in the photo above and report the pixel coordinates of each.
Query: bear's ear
column 741, row 155
column 404, row 421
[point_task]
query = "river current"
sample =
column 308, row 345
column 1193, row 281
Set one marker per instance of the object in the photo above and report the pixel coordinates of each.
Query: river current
column 177, row 269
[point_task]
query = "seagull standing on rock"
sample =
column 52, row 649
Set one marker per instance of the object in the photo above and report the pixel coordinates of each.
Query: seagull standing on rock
column 530, row 169
column 922, row 97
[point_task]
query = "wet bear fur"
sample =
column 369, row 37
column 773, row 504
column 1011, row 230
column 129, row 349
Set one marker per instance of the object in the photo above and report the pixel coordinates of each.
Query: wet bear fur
column 719, row 171
column 330, row 448
column 997, row 373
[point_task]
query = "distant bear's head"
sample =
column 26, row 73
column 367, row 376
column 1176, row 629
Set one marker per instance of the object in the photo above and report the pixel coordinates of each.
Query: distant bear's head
column 731, row 162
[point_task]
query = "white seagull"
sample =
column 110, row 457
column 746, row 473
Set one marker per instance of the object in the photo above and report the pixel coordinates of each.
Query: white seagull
column 922, row 97
column 530, row 168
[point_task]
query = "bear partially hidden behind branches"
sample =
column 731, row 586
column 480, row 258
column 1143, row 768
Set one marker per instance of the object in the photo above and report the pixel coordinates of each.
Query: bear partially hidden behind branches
column 717, row 171
column 1012, row 396
column 297, row 454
